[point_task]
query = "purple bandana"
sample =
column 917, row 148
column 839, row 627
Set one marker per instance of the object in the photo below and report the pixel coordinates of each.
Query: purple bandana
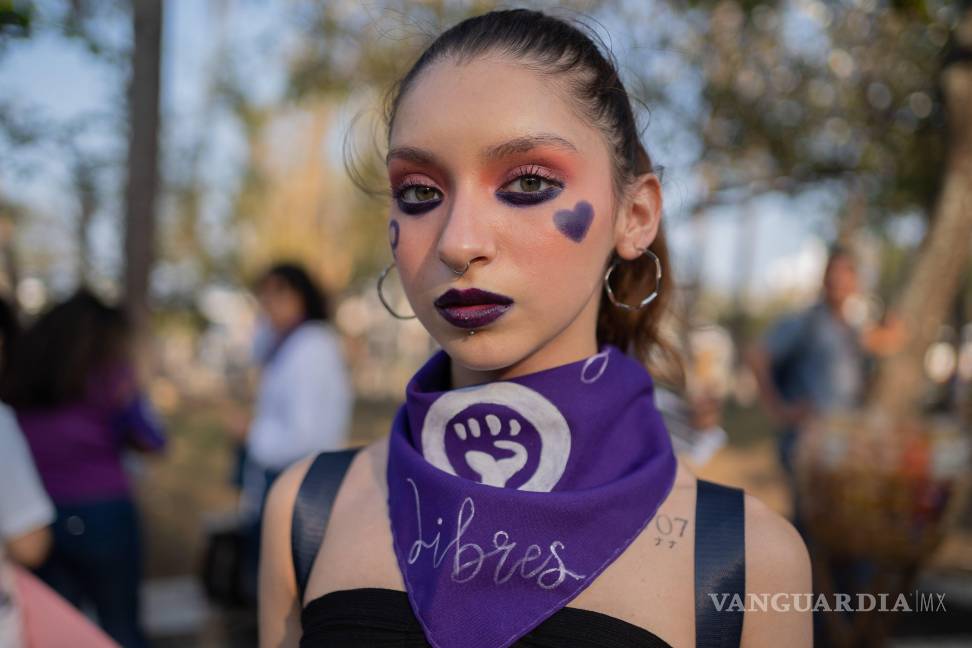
column 508, row 498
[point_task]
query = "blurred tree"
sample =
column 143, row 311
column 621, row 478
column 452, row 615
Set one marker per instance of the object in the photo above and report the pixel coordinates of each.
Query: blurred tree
column 33, row 138
column 143, row 155
column 936, row 277
column 809, row 94
column 83, row 172
column 853, row 97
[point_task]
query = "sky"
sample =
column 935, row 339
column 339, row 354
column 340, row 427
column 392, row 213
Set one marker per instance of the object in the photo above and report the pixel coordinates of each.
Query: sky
column 778, row 240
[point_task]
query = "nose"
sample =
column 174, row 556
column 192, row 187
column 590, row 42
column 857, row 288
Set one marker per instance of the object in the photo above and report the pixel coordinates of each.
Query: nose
column 466, row 237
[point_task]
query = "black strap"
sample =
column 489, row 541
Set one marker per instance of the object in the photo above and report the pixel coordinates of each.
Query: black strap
column 312, row 508
column 720, row 556
column 720, row 565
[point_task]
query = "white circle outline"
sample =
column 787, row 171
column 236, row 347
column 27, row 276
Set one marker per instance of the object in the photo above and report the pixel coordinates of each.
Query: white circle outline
column 532, row 406
column 604, row 356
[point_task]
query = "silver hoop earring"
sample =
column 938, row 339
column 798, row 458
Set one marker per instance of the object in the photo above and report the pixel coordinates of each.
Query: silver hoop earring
column 647, row 300
column 381, row 280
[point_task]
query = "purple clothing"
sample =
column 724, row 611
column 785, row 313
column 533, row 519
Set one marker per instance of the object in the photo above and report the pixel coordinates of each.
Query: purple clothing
column 78, row 446
column 507, row 499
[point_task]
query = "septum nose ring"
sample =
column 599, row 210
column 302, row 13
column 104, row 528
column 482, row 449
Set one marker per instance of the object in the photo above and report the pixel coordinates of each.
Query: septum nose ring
column 458, row 272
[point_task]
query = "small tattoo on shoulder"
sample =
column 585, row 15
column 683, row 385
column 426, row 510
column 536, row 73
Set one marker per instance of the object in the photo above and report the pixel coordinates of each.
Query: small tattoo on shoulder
column 668, row 530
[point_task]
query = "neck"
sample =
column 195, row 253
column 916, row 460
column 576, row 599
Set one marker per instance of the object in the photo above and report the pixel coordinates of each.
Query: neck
column 555, row 353
column 835, row 306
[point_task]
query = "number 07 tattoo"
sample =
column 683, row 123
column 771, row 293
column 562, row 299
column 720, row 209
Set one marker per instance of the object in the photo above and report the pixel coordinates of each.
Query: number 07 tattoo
column 669, row 529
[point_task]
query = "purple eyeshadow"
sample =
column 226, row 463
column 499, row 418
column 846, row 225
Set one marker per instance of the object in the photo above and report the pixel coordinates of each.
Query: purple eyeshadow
column 418, row 208
column 393, row 234
column 527, row 198
column 574, row 223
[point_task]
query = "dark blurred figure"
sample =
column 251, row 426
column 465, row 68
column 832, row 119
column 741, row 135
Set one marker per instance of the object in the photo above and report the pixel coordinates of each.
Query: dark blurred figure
column 813, row 362
column 9, row 332
column 25, row 510
column 73, row 386
column 304, row 399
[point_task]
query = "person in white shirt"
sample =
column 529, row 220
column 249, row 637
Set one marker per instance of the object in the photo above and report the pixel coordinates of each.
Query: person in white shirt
column 26, row 513
column 304, row 399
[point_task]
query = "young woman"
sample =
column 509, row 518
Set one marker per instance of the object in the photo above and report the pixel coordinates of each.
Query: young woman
column 304, row 399
column 528, row 468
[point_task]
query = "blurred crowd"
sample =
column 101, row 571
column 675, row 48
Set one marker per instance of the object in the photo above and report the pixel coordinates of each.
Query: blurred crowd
column 74, row 409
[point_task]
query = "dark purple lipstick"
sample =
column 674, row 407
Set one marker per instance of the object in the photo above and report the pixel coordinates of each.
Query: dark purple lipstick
column 472, row 308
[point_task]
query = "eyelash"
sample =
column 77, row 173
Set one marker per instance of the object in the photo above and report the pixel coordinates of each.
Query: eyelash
column 411, row 207
column 530, row 198
column 512, row 198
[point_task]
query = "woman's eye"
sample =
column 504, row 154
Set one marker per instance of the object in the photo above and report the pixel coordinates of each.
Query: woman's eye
column 529, row 189
column 528, row 184
column 418, row 199
column 419, row 194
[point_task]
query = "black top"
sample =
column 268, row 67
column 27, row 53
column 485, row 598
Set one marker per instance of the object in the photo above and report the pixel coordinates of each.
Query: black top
column 383, row 617
column 374, row 616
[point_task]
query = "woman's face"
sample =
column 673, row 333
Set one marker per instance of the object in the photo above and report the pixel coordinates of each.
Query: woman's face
column 490, row 165
column 281, row 303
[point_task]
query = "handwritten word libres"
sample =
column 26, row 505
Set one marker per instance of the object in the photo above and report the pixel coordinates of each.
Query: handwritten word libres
column 469, row 558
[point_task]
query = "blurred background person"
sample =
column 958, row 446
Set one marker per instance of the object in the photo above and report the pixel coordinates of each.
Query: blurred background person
column 813, row 362
column 25, row 510
column 304, row 399
column 73, row 386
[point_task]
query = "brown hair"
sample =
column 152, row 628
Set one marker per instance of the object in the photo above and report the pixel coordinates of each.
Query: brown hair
column 54, row 361
column 552, row 46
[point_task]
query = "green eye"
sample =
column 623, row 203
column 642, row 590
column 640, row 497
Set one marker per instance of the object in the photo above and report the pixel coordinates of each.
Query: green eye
column 419, row 194
column 530, row 183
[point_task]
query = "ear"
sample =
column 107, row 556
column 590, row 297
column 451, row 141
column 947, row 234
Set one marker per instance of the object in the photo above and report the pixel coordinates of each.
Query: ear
column 639, row 218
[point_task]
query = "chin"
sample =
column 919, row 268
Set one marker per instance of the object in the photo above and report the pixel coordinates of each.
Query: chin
column 487, row 350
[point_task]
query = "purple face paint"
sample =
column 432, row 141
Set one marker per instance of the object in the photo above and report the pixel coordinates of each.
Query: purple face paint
column 574, row 223
column 393, row 234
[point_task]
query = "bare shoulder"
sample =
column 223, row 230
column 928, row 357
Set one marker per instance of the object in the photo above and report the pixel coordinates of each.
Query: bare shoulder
column 359, row 482
column 283, row 492
column 279, row 615
column 777, row 564
column 776, row 556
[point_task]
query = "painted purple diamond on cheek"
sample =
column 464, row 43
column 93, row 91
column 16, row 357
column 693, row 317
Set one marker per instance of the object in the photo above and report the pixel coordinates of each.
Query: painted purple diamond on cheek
column 393, row 234
column 574, row 223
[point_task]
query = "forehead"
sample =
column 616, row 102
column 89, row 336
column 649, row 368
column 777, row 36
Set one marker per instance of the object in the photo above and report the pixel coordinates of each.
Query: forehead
column 841, row 263
column 459, row 107
column 273, row 283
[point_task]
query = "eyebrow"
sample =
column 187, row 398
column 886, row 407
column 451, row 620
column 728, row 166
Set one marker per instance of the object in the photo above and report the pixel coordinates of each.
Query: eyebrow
column 411, row 154
column 511, row 147
column 526, row 143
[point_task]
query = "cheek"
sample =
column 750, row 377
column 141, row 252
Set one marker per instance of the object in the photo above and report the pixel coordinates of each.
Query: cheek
column 410, row 242
column 565, row 253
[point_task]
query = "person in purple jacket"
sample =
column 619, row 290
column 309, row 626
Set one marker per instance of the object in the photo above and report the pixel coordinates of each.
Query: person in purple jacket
column 73, row 387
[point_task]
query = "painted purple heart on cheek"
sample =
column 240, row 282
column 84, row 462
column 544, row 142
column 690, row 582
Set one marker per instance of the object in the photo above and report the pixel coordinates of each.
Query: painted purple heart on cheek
column 574, row 223
column 393, row 234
